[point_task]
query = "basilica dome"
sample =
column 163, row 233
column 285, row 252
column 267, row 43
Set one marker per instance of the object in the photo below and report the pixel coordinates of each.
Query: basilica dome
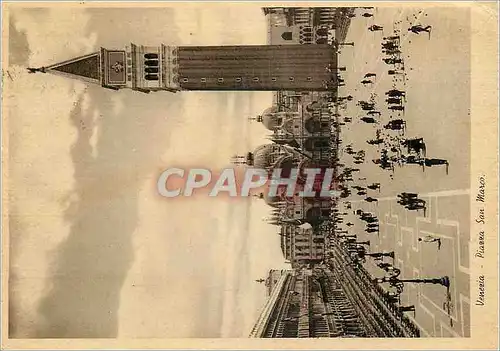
column 270, row 119
column 263, row 156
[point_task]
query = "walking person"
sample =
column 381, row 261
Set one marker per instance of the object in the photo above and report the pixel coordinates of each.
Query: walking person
column 417, row 29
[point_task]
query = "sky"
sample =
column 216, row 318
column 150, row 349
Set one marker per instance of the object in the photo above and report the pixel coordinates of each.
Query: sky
column 94, row 250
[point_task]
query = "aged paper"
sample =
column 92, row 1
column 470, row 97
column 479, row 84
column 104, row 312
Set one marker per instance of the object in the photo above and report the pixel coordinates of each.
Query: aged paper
column 108, row 108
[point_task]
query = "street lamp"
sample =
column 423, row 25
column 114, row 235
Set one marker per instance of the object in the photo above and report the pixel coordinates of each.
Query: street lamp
column 353, row 241
column 398, row 283
column 380, row 254
column 444, row 281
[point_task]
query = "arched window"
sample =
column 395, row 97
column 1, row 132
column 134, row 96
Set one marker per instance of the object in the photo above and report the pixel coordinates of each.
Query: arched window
column 322, row 32
column 151, row 69
column 287, row 35
column 151, row 77
column 151, row 56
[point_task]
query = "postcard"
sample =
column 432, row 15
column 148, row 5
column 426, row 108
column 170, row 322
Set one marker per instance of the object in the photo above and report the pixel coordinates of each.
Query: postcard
column 245, row 175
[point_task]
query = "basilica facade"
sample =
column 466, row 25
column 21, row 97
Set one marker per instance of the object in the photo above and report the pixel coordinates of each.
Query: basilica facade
column 300, row 122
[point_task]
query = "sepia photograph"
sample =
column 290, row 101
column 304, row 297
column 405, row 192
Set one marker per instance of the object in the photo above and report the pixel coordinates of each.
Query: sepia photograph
column 245, row 171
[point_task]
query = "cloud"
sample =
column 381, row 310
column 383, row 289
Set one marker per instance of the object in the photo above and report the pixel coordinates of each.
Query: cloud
column 100, row 246
column 40, row 177
column 18, row 45
column 66, row 28
column 94, row 138
column 208, row 25
column 40, row 168
column 118, row 104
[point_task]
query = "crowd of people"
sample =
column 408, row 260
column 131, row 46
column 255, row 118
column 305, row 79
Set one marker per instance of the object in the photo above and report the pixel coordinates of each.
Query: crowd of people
column 390, row 143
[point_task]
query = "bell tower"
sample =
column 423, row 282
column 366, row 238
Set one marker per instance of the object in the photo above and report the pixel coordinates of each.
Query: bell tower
column 175, row 68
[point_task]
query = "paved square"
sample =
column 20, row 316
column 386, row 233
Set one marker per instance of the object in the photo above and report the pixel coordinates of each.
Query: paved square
column 437, row 108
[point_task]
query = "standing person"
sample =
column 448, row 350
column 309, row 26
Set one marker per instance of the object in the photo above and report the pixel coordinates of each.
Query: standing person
column 395, row 93
column 396, row 124
column 374, row 186
column 431, row 239
column 429, row 162
column 415, row 144
column 392, row 37
column 389, row 46
column 407, row 309
column 416, row 205
column 368, row 120
column 393, row 100
column 408, row 195
column 396, row 108
column 375, row 141
column 391, row 51
column 375, row 28
column 392, row 61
